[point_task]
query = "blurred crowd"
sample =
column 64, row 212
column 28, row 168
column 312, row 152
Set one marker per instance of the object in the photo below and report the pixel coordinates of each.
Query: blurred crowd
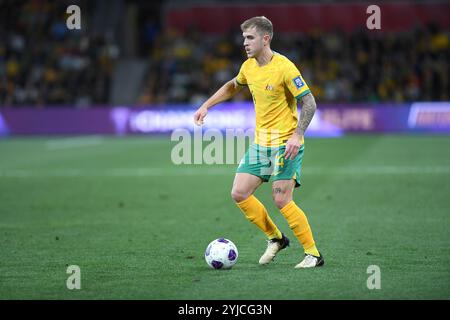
column 43, row 63
column 339, row 67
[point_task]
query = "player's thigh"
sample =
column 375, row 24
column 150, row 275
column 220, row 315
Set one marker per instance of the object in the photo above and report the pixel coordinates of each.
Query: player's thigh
column 288, row 169
column 257, row 162
column 244, row 185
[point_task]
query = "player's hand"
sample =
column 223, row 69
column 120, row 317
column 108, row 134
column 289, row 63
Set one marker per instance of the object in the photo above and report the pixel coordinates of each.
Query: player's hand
column 200, row 115
column 293, row 145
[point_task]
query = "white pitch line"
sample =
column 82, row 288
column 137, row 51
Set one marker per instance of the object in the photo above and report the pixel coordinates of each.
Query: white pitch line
column 70, row 143
column 379, row 170
column 220, row 171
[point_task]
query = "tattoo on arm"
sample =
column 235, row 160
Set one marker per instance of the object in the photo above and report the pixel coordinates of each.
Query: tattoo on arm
column 308, row 109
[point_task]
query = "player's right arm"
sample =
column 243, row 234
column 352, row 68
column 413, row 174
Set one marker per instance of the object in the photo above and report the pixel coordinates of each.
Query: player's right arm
column 227, row 91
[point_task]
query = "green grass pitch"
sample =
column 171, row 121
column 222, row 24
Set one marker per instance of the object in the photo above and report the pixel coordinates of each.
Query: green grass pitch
column 137, row 225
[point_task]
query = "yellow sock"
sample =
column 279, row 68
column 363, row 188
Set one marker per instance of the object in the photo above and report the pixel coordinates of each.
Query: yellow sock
column 299, row 224
column 256, row 213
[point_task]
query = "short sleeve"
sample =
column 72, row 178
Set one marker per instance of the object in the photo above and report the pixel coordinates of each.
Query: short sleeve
column 295, row 82
column 240, row 78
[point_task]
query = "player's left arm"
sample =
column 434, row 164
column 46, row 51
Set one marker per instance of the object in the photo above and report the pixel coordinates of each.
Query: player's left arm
column 295, row 142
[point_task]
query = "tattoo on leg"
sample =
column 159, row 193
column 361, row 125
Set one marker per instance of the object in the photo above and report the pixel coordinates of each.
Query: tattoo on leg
column 277, row 190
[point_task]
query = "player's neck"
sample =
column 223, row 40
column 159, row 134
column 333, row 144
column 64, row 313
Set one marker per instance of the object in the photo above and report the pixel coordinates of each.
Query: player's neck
column 264, row 57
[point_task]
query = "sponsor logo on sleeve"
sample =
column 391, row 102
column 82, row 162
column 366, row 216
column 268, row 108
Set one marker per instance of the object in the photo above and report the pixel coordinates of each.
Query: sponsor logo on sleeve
column 298, row 82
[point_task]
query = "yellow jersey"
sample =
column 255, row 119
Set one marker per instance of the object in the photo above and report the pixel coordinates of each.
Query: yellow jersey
column 275, row 88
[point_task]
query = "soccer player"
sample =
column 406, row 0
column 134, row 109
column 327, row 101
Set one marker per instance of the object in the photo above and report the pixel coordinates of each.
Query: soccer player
column 276, row 85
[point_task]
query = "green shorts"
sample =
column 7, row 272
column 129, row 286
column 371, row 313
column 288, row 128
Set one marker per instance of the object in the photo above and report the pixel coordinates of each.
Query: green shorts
column 267, row 162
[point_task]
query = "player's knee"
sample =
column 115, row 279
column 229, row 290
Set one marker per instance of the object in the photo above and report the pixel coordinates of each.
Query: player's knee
column 281, row 200
column 239, row 195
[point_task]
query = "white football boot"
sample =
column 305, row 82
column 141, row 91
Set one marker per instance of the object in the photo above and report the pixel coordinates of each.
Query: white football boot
column 311, row 261
column 273, row 247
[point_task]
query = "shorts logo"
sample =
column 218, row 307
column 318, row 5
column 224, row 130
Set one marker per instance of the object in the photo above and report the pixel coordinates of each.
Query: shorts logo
column 298, row 82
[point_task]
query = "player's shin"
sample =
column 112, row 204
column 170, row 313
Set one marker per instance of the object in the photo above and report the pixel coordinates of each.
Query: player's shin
column 256, row 213
column 299, row 224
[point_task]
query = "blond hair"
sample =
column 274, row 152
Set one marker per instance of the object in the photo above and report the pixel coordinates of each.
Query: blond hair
column 261, row 24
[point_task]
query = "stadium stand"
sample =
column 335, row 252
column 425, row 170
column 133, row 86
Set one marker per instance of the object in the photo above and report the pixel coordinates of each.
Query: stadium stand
column 42, row 63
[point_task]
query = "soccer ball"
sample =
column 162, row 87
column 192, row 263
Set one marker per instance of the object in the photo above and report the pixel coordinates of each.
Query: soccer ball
column 221, row 254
